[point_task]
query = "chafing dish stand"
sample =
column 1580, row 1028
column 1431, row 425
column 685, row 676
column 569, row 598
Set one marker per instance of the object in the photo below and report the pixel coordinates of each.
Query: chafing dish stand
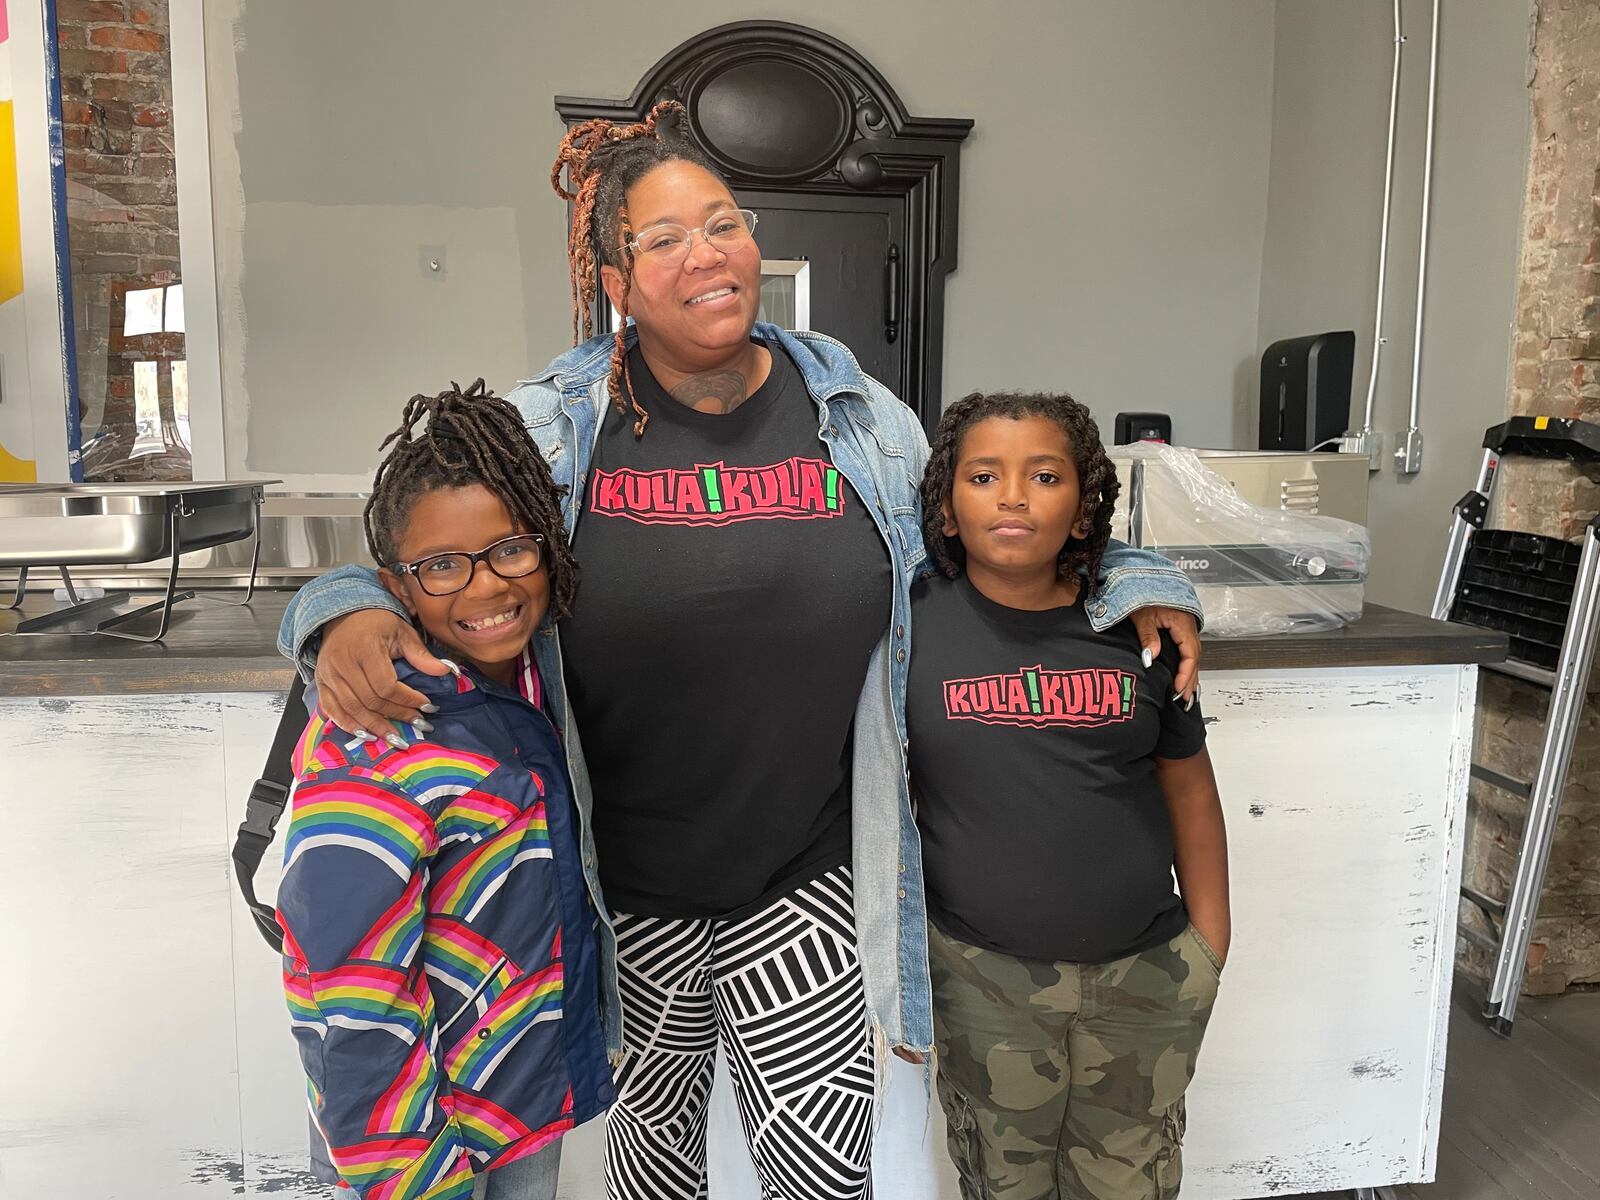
column 114, row 524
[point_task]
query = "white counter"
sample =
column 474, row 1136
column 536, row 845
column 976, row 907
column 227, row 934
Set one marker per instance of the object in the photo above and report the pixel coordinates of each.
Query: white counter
column 146, row 1048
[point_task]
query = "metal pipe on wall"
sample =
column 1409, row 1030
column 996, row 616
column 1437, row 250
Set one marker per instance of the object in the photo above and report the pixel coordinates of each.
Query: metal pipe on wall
column 1368, row 441
column 1408, row 455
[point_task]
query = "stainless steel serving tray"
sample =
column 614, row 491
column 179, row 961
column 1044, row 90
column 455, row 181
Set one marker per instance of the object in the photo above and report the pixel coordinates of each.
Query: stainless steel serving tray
column 102, row 524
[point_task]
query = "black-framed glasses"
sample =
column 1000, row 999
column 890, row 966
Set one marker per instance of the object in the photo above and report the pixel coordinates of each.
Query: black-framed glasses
column 445, row 574
column 669, row 244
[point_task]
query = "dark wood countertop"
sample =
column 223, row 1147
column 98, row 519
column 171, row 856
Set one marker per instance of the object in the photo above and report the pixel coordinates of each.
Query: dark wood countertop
column 1383, row 637
column 216, row 648
column 210, row 647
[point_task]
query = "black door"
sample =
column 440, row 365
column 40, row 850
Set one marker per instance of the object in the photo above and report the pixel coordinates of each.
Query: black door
column 813, row 138
column 853, row 246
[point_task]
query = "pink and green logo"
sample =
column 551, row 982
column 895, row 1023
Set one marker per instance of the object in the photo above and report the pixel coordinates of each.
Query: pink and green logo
column 1036, row 698
column 797, row 489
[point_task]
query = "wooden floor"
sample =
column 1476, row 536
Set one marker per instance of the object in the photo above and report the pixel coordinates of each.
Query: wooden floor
column 1521, row 1117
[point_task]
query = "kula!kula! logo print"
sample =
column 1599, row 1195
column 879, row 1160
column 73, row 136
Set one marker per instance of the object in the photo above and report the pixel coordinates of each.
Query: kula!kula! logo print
column 797, row 489
column 1036, row 698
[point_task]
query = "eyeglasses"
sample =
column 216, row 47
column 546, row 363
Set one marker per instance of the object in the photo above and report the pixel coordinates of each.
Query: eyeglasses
column 670, row 244
column 446, row 574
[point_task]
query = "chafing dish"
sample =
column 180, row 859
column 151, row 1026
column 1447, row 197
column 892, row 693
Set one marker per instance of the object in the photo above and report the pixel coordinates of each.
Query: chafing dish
column 102, row 524
column 108, row 524
column 302, row 535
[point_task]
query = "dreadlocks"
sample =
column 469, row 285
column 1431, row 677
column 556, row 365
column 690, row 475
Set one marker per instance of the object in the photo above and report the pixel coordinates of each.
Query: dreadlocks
column 1097, row 477
column 602, row 161
column 472, row 437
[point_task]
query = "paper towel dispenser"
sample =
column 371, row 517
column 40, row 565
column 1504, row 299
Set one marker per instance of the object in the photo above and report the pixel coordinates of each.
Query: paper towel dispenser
column 1305, row 390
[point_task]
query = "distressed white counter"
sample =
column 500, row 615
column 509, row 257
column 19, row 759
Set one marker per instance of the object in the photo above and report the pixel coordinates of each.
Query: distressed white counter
column 145, row 1053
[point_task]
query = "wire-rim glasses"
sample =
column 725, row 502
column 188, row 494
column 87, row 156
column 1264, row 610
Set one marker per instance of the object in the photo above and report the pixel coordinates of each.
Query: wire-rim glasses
column 670, row 243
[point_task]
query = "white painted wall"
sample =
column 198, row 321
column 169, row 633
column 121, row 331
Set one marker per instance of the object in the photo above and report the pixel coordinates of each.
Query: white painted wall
column 1113, row 195
column 1324, row 208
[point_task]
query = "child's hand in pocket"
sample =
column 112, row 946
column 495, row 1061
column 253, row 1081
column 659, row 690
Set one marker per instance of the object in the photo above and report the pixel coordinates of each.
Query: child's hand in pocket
column 1216, row 931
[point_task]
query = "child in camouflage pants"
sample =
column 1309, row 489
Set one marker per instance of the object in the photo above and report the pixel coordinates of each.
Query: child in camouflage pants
column 1060, row 783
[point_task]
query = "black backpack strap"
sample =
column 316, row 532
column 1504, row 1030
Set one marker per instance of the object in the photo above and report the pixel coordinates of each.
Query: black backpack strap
column 268, row 797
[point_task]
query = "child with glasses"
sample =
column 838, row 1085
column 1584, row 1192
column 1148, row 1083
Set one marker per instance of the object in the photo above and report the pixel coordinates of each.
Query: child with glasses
column 440, row 957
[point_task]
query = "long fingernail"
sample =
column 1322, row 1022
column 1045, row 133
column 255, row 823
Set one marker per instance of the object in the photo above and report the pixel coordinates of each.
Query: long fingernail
column 395, row 740
column 363, row 735
column 430, row 708
column 1146, row 656
column 422, row 726
column 1188, row 704
column 1177, row 696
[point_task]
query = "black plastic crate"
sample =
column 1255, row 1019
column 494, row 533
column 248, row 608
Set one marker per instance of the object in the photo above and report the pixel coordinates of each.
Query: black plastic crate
column 1519, row 584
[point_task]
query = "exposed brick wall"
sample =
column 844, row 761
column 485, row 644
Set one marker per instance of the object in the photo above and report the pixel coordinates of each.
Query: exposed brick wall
column 116, row 102
column 1555, row 372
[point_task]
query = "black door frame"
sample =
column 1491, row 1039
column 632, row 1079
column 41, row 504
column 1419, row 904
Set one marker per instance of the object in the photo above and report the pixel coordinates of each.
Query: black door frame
column 854, row 136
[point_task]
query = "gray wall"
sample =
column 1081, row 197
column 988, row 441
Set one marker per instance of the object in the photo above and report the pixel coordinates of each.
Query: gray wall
column 1113, row 196
column 1324, row 207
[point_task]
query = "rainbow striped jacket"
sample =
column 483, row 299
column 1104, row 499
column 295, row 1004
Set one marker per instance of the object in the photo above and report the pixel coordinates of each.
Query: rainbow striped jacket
column 440, row 957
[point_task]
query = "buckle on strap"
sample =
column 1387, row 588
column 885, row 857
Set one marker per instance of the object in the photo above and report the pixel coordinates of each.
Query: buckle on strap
column 263, row 808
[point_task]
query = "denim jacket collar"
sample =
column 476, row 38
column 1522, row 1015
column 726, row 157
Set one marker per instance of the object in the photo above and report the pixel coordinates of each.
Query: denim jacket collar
column 830, row 371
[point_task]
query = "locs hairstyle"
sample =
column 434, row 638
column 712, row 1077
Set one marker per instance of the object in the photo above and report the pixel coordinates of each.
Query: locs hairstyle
column 472, row 437
column 602, row 161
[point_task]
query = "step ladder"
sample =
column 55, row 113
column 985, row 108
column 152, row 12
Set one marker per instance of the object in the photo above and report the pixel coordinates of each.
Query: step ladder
column 1545, row 594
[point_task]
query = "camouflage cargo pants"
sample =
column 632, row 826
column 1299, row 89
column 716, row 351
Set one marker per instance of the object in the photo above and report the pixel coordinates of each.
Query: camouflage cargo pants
column 1067, row 1081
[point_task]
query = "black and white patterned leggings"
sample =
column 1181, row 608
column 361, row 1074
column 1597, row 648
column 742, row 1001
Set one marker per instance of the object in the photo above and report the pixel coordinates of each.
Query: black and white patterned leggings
column 782, row 989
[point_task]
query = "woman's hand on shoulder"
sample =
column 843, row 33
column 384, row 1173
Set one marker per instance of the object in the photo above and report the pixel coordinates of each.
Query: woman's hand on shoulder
column 1184, row 631
column 356, row 683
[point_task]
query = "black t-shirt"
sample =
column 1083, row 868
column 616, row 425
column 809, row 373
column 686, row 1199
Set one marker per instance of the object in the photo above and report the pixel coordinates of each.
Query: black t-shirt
column 734, row 587
column 1033, row 747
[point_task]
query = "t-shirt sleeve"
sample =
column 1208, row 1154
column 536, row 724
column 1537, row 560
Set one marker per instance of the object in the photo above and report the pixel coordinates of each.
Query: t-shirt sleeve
column 1183, row 730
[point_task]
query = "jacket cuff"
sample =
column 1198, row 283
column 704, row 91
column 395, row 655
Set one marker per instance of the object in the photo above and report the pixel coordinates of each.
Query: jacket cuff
column 335, row 598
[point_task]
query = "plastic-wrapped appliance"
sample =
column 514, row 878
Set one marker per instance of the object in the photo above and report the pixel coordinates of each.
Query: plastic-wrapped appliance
column 1257, row 570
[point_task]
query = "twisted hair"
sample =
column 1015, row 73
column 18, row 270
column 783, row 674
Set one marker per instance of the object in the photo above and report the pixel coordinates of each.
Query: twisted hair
column 472, row 437
column 601, row 161
column 1097, row 477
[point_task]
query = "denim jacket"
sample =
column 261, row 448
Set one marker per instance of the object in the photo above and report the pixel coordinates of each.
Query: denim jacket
column 878, row 444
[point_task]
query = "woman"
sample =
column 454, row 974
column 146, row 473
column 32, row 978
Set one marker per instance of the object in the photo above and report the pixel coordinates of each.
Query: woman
column 744, row 502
